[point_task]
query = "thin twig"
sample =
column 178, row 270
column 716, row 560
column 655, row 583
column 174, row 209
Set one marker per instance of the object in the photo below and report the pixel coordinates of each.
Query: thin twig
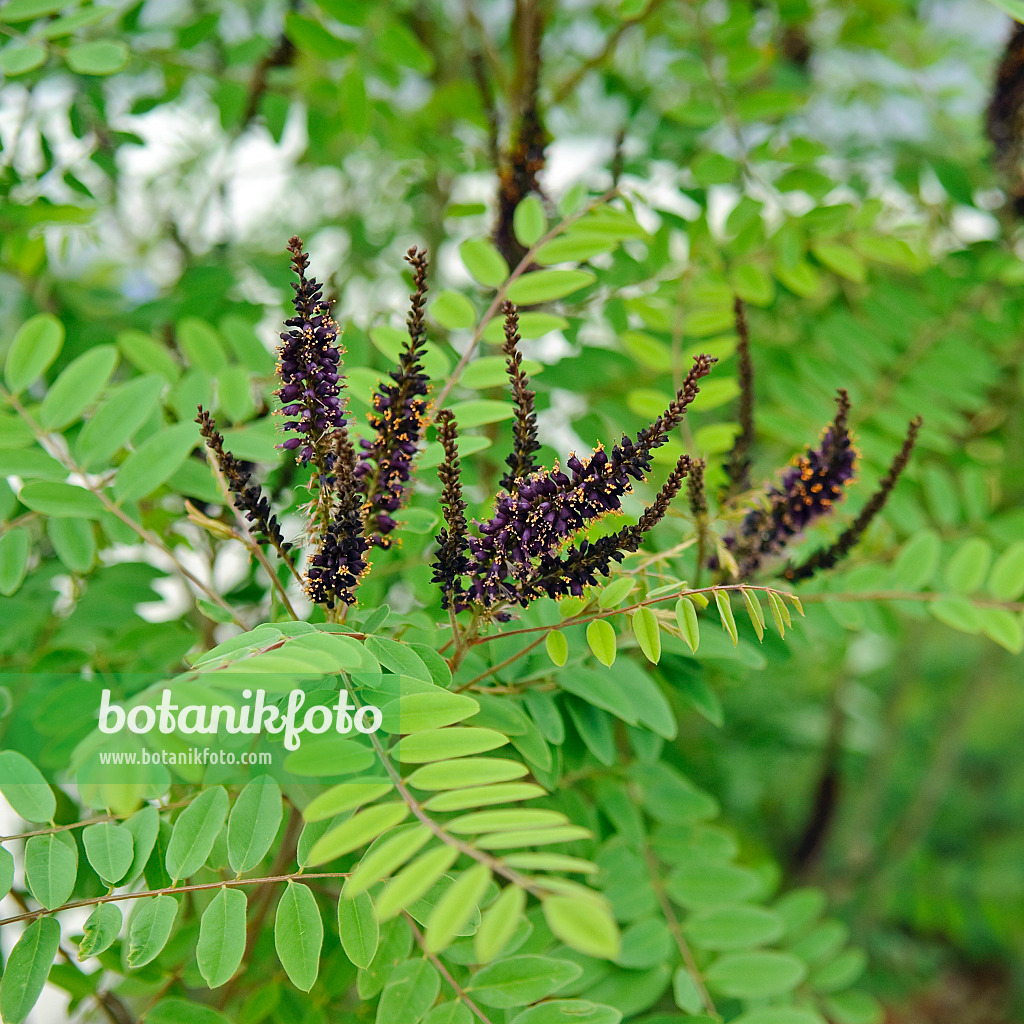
column 672, row 922
column 502, row 292
column 444, row 972
column 502, row 664
column 150, row 538
column 231, row 883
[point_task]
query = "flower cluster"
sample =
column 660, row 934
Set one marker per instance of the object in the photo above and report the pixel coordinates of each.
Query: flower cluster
column 517, row 554
column 339, row 563
column 247, row 496
column 355, row 497
column 525, row 445
column 809, row 490
column 397, row 421
column 309, row 369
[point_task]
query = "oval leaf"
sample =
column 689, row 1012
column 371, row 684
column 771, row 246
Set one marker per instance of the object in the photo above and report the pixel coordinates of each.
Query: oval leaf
column 299, row 935
column 254, row 822
column 36, row 344
column 195, row 832
column 359, row 930
column 150, row 929
column 28, row 968
column 221, row 937
column 26, row 790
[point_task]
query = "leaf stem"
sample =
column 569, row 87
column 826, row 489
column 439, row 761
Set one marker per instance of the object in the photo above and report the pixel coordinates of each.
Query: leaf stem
column 231, row 883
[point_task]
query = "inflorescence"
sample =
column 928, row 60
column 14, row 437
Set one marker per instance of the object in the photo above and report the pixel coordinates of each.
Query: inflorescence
column 535, row 543
column 528, row 547
column 809, row 489
column 355, row 496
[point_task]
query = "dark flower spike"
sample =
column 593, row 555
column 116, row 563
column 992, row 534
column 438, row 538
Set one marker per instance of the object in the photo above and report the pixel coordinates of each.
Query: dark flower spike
column 397, row 420
column 835, row 553
column 451, row 561
column 524, row 444
column 340, row 561
column 737, row 469
column 520, row 166
column 808, row 490
column 248, row 497
column 579, row 567
column 696, row 495
column 543, row 511
column 309, row 369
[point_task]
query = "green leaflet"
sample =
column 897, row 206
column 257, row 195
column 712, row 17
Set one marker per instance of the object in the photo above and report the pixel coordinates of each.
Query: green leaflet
column 253, row 823
column 615, row 592
column 100, row 930
column 483, row 261
column 182, row 1011
column 725, row 612
column 454, row 311
column 114, row 423
column 6, row 871
column 398, row 658
column 449, row 1013
column 754, row 611
column 150, row 929
column 529, row 221
column 557, row 647
column 1006, row 581
column 419, row 712
column 36, row 344
column 358, row 928
column 601, row 638
column 345, row 797
column 28, row 968
column 360, row 829
column 299, row 935
column 480, row 796
column 524, row 818
column 110, row 849
column 545, row 285
column 414, row 880
column 585, row 925
column 143, row 825
column 386, row 855
column 409, row 993
column 26, row 790
column 195, row 831
column 155, row 461
column 521, row 980
column 755, row 975
column 438, row 744
column 74, row 542
column 77, row 387
column 456, row 907
column 464, row 772
column 568, row 1011
column 733, row 927
column 647, row 633
column 221, row 937
column 51, row 868
column 499, row 923
column 14, row 551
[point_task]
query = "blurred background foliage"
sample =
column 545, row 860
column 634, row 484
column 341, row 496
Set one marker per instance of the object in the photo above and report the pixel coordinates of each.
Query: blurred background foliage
column 825, row 161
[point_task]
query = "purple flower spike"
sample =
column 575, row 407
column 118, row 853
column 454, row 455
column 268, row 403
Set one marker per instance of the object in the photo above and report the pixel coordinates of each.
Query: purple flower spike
column 308, row 366
column 397, row 421
column 542, row 512
column 809, row 489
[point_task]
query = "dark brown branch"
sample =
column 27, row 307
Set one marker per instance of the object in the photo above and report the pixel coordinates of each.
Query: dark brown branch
column 737, row 469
